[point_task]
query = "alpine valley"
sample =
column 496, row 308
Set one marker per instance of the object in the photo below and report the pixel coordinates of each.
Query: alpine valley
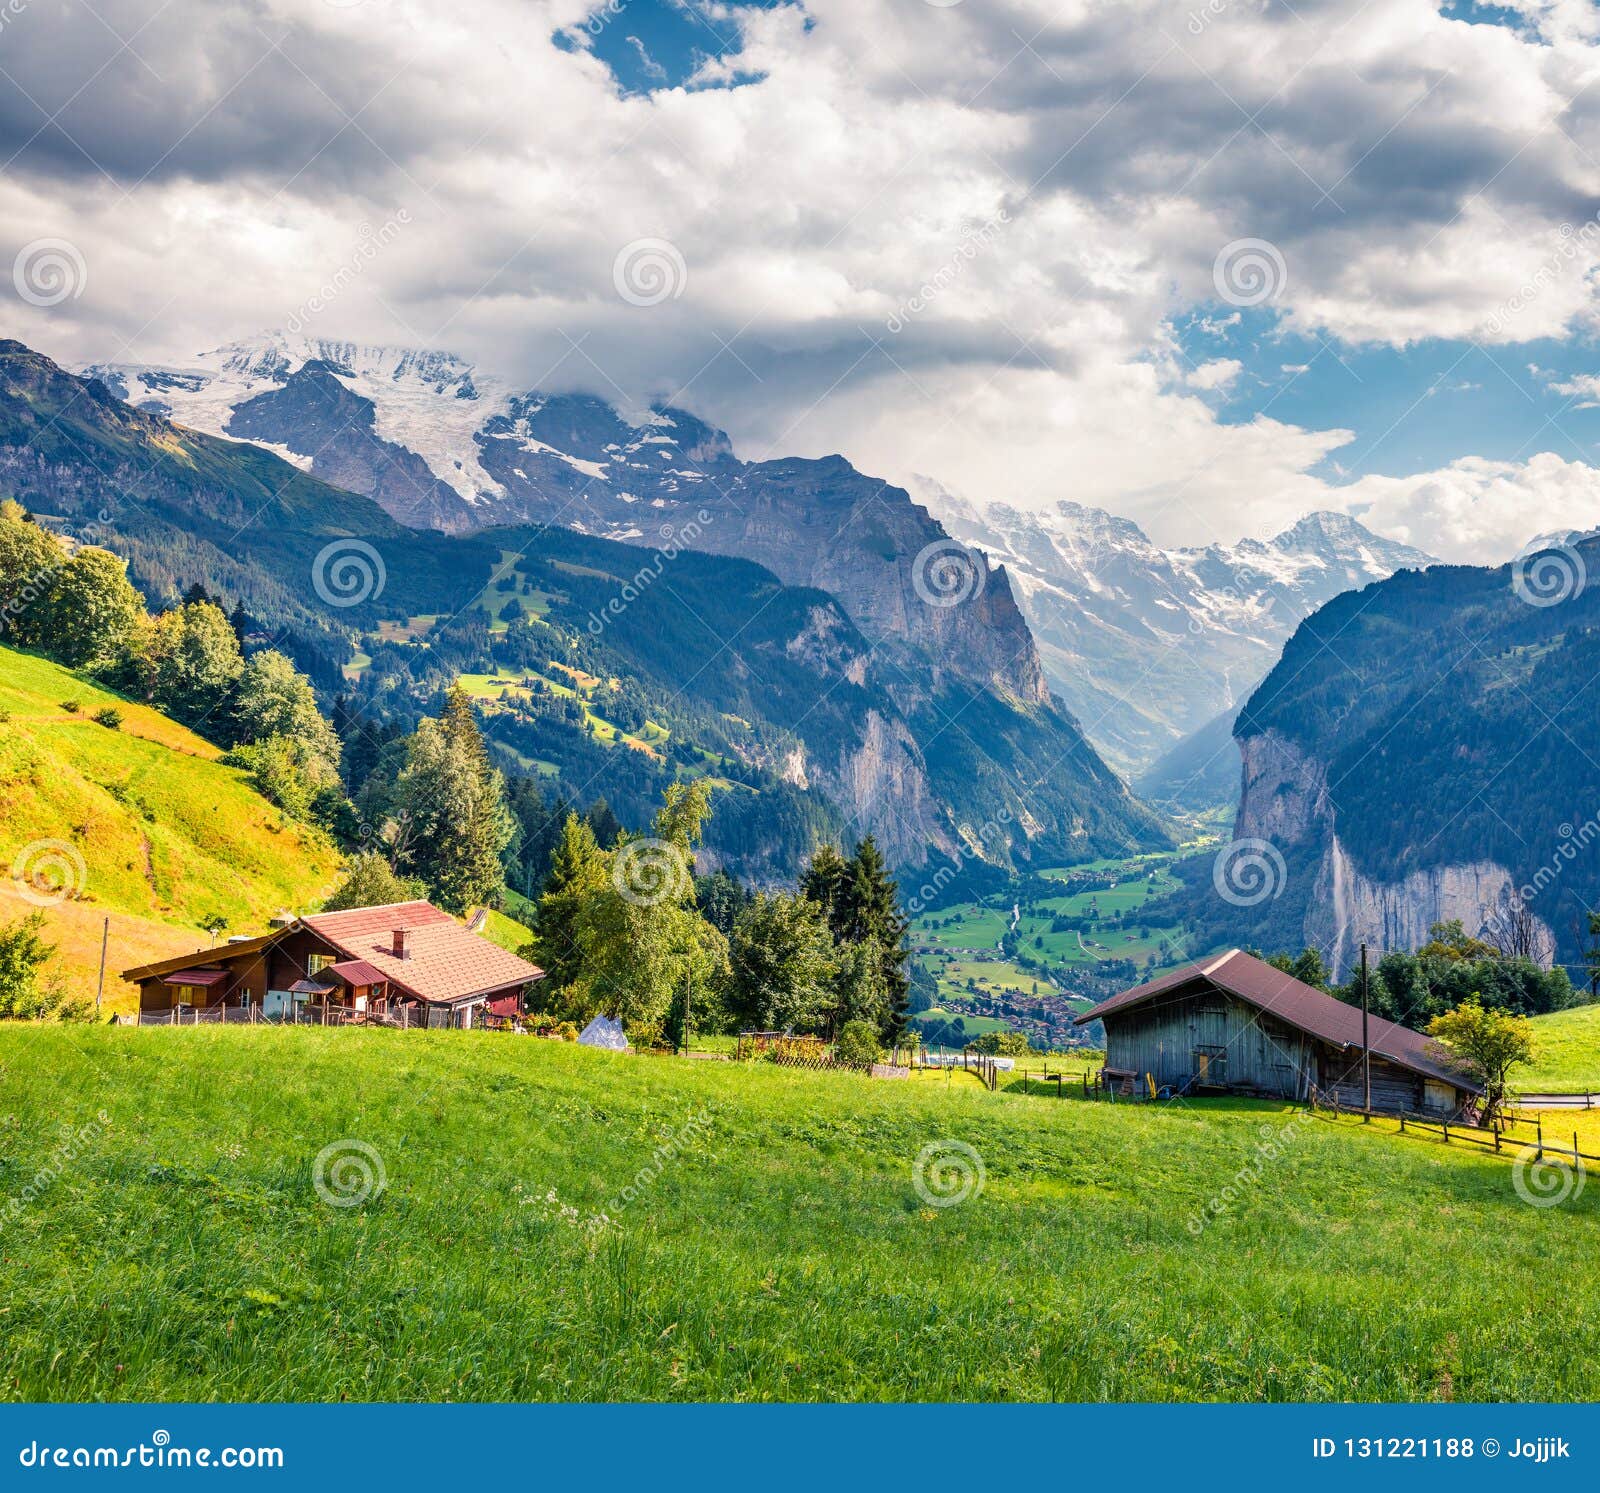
column 1150, row 647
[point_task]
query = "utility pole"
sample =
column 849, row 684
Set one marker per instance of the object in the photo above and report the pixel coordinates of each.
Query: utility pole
column 1366, row 1044
column 687, row 980
column 100, row 990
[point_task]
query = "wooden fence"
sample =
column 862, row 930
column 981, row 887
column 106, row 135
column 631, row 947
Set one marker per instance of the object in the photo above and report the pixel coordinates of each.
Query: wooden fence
column 1499, row 1139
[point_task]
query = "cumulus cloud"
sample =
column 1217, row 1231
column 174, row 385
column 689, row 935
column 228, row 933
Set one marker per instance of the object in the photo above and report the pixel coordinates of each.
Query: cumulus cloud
column 1481, row 512
column 938, row 238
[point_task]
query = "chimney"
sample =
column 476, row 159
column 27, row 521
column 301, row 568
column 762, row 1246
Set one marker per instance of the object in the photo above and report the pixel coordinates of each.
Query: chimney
column 399, row 946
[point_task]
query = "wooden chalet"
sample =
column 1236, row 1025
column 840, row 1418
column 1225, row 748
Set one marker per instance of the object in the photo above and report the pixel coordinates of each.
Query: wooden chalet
column 405, row 964
column 1235, row 1024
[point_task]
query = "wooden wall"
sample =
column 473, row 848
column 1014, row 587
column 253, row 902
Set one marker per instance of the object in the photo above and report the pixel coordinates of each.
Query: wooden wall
column 1246, row 1048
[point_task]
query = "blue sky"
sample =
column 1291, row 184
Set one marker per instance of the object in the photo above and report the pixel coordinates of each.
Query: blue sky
column 651, row 44
column 1411, row 409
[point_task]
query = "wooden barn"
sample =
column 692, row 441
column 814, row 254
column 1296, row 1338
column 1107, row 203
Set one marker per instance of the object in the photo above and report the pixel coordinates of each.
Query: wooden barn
column 1234, row 1024
column 405, row 964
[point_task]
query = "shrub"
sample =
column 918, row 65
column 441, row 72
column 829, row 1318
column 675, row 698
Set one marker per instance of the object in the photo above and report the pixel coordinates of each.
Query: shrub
column 858, row 1044
column 110, row 717
column 72, row 707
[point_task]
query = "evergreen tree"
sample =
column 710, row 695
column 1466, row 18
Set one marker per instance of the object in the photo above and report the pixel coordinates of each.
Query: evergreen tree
column 450, row 804
column 872, row 915
column 605, row 824
column 577, row 874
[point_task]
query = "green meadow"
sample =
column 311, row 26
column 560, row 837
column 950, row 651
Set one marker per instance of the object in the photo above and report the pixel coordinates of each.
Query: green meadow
column 163, row 1236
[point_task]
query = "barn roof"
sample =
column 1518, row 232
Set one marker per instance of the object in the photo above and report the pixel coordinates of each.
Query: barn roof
column 1302, row 1006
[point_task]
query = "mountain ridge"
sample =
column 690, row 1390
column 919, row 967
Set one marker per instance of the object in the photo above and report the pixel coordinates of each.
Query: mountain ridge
column 1147, row 645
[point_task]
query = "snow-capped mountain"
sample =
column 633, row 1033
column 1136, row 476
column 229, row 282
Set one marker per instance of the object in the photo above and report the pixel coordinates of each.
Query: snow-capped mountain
column 433, row 440
column 440, row 444
column 1145, row 644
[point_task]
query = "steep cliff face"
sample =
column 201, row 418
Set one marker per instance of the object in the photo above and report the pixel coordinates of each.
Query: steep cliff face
column 882, row 785
column 1285, row 801
column 890, row 563
column 1348, row 908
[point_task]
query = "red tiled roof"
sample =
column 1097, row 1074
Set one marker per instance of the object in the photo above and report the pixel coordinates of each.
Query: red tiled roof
column 357, row 972
column 1300, row 1005
column 444, row 962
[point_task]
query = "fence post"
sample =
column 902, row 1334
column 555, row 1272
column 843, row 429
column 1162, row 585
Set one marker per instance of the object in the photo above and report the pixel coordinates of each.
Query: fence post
column 1447, row 1132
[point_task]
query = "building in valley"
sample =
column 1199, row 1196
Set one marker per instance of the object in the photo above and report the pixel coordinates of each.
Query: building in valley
column 405, row 964
column 1235, row 1024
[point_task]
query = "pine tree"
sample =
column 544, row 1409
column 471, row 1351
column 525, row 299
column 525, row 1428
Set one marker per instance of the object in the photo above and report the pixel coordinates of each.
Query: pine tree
column 577, row 874
column 872, row 901
column 451, row 805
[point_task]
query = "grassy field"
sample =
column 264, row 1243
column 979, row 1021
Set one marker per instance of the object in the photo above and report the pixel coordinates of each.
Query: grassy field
column 1566, row 1054
column 170, row 841
column 177, row 1246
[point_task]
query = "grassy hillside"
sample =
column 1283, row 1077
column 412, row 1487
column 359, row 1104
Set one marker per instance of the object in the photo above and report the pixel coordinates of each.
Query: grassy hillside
column 171, row 840
column 1566, row 1053
column 182, row 1250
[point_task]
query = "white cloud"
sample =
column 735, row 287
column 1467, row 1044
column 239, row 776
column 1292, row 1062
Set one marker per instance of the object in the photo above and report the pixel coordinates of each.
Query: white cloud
column 1414, row 171
column 1480, row 512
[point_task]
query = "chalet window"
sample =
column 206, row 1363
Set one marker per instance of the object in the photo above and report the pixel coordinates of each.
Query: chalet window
column 316, row 963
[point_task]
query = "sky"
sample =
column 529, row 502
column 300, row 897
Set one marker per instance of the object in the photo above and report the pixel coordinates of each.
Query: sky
column 1209, row 264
